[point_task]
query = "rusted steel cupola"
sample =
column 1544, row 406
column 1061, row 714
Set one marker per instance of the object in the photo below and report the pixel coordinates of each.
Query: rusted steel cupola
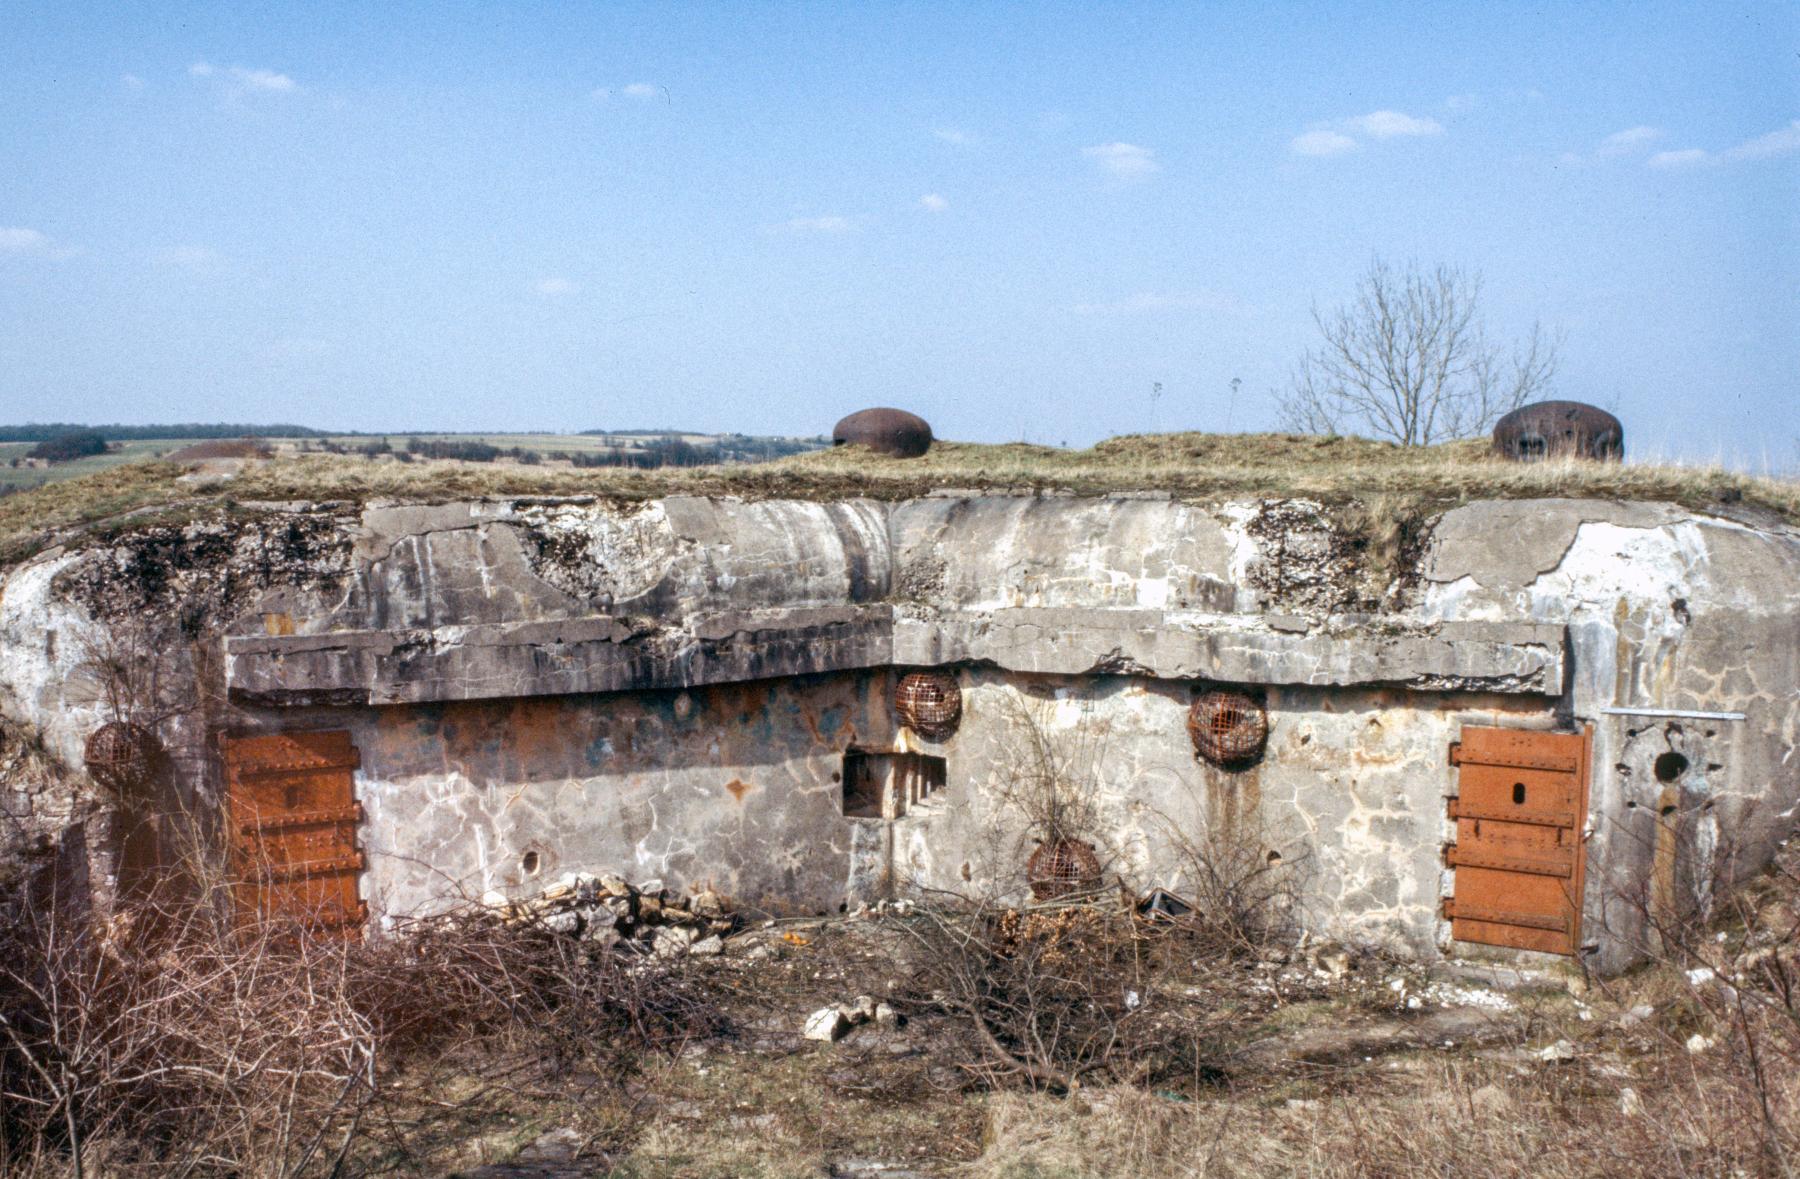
column 1559, row 429
column 887, row 431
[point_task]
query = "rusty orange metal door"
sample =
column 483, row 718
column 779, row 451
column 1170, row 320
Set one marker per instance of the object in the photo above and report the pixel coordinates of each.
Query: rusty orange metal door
column 1520, row 809
column 293, row 825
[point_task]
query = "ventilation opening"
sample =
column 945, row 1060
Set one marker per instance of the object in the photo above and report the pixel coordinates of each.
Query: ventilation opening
column 1670, row 766
column 1518, row 794
column 529, row 863
column 884, row 785
column 1228, row 728
column 1532, row 446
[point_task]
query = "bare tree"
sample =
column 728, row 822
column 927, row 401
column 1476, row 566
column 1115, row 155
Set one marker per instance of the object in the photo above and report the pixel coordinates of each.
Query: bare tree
column 1408, row 358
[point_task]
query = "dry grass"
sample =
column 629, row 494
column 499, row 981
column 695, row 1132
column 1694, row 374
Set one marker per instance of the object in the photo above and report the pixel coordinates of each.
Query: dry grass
column 1377, row 478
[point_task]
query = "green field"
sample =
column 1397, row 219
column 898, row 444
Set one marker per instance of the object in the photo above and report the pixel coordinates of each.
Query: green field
column 19, row 477
column 133, row 451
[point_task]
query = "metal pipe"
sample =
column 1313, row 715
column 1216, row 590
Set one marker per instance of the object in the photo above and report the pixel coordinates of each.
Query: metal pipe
column 1674, row 713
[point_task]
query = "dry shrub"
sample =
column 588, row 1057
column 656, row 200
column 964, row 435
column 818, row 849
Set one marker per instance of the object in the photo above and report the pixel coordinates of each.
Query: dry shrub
column 537, row 994
column 180, row 1040
column 1078, row 991
column 1725, row 967
column 172, row 1042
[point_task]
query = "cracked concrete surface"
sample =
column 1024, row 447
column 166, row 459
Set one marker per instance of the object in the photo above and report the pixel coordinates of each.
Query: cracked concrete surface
column 670, row 687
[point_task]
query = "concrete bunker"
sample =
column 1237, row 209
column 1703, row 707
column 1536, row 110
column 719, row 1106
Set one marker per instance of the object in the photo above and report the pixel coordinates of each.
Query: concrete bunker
column 714, row 693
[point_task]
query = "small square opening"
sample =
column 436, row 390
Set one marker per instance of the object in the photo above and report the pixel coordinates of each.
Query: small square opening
column 884, row 785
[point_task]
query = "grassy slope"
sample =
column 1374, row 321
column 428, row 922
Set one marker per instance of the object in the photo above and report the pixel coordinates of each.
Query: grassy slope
column 1379, row 479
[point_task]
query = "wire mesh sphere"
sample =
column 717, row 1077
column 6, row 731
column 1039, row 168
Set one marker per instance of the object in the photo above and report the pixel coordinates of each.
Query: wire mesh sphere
column 120, row 755
column 929, row 703
column 1062, row 866
column 1228, row 728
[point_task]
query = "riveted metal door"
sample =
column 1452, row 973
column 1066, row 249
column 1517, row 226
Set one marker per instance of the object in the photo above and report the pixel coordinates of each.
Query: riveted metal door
column 293, row 827
column 1520, row 809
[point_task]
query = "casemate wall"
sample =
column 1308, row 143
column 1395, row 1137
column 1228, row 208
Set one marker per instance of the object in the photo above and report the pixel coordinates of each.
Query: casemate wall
column 699, row 689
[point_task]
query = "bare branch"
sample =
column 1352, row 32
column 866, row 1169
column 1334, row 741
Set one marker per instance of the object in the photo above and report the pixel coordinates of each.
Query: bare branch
column 1407, row 359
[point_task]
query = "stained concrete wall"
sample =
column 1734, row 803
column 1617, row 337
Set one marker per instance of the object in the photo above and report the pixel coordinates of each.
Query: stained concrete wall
column 730, row 786
column 1345, row 810
column 1665, row 610
column 515, row 674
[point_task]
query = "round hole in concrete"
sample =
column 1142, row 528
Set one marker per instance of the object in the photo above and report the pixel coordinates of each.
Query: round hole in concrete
column 529, row 863
column 1670, row 766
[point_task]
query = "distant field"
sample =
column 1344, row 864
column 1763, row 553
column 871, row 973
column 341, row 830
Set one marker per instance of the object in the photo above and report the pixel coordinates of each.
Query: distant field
column 543, row 445
column 126, row 452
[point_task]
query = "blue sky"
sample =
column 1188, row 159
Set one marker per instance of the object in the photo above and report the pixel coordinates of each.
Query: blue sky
column 1009, row 218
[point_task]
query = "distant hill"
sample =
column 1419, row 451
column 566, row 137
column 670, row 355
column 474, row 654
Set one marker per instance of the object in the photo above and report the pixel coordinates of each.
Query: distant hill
column 43, row 432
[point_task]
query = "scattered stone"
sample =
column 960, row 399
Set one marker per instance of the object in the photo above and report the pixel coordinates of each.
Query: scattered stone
column 568, row 921
column 1698, row 1043
column 886, row 1016
column 614, row 886
column 1638, row 1014
column 671, row 940
column 826, row 1024
column 1561, row 1050
column 708, row 947
column 861, row 1009
column 1630, row 1104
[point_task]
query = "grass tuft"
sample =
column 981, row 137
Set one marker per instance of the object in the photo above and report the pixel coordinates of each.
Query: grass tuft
column 1336, row 471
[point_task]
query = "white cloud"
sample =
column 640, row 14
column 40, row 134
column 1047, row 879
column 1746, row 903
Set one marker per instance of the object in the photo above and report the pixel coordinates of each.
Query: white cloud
column 955, row 135
column 195, row 259
column 827, row 224
column 1322, row 143
column 1124, row 162
column 553, row 287
column 1687, row 157
column 1628, row 141
column 639, row 91
column 1151, row 302
column 1340, row 136
column 131, row 81
column 1461, row 102
column 1392, row 125
column 1780, row 142
column 1776, row 143
column 30, row 243
column 932, row 202
column 266, row 80
column 19, row 240
column 240, row 80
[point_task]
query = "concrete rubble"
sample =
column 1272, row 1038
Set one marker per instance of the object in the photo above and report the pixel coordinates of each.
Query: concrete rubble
column 608, row 909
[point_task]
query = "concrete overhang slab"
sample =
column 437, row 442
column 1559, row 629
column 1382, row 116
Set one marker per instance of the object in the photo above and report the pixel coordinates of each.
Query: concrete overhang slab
column 608, row 654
